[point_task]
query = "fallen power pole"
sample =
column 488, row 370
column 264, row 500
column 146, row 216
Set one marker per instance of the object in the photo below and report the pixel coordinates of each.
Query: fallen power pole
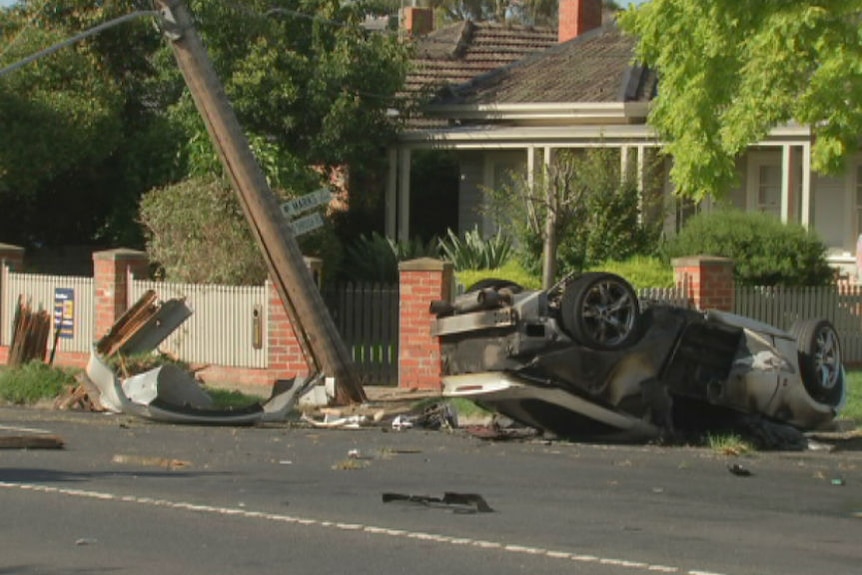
column 316, row 332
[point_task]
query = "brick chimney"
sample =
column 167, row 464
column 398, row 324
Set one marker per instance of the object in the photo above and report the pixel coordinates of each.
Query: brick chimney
column 417, row 21
column 577, row 17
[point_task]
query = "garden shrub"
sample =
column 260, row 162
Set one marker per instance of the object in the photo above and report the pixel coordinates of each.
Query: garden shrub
column 640, row 271
column 764, row 250
column 196, row 233
column 375, row 258
column 475, row 252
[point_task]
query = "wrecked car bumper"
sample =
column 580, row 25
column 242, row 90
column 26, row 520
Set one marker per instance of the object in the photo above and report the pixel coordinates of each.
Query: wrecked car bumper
column 550, row 409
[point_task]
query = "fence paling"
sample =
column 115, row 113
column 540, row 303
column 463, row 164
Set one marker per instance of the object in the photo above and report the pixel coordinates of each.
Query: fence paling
column 781, row 306
column 367, row 317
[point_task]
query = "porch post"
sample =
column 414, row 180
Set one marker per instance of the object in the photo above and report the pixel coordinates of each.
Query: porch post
column 624, row 161
column 404, row 195
column 805, row 215
column 788, row 181
column 391, row 222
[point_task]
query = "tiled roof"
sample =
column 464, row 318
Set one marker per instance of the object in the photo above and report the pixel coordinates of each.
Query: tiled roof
column 595, row 67
column 457, row 53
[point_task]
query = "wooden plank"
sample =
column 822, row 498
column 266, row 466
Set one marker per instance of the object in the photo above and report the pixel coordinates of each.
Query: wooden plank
column 31, row 442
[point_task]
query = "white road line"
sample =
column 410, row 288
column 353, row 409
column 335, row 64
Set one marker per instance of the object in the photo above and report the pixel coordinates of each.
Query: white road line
column 23, row 429
column 634, row 566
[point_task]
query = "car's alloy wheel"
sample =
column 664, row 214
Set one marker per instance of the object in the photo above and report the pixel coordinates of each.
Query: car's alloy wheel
column 601, row 311
column 820, row 360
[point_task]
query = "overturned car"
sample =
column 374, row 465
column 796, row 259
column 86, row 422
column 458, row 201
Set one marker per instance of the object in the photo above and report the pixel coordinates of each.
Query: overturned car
column 583, row 359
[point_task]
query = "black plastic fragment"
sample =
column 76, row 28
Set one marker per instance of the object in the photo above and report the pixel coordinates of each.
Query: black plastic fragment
column 458, row 502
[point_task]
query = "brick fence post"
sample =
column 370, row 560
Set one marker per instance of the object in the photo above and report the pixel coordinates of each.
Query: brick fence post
column 11, row 259
column 111, row 289
column 284, row 354
column 707, row 280
column 13, row 256
column 419, row 353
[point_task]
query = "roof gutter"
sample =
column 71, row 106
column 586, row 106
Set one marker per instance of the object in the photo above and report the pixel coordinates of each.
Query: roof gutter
column 556, row 111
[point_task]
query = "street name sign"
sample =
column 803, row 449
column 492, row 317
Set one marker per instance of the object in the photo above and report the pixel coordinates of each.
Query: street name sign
column 306, row 202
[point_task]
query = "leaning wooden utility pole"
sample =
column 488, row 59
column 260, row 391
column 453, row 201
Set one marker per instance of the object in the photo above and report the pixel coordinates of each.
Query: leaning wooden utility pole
column 316, row 332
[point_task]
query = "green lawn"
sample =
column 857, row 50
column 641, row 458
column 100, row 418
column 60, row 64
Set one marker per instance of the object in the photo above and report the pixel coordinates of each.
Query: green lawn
column 853, row 409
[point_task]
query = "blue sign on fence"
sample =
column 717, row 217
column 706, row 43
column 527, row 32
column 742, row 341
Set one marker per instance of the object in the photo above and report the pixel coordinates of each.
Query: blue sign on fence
column 64, row 312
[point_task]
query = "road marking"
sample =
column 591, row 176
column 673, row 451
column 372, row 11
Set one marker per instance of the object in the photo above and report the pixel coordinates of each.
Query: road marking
column 634, row 566
column 24, row 429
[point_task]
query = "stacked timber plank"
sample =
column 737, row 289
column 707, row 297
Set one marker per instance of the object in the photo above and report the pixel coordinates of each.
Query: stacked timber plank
column 29, row 334
column 125, row 328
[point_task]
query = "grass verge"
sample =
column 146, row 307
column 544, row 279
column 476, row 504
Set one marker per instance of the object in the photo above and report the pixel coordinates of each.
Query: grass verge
column 34, row 381
column 853, row 408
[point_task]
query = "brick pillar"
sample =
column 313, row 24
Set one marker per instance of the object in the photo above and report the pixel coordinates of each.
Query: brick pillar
column 13, row 256
column 111, row 286
column 419, row 353
column 284, row 355
column 708, row 281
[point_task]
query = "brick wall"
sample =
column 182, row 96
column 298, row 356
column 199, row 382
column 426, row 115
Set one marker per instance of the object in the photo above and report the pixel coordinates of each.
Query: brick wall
column 420, row 359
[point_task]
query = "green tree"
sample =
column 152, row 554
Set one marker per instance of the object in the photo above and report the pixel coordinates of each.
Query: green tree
column 79, row 139
column 579, row 212
column 730, row 71
column 86, row 131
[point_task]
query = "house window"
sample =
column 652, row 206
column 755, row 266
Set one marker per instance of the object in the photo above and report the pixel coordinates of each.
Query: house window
column 769, row 190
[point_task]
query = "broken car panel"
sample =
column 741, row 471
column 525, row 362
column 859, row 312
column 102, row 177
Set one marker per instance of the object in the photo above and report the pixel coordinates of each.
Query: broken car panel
column 168, row 393
column 583, row 360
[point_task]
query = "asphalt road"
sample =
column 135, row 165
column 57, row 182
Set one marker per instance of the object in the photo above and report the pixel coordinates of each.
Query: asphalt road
column 130, row 496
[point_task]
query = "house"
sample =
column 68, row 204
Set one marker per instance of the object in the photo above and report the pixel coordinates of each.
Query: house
column 585, row 91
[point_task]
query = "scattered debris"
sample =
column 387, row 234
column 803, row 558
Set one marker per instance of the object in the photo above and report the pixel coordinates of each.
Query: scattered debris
column 439, row 415
column 86, row 541
column 351, row 464
column 30, row 331
column 335, row 422
column 39, row 441
column 163, row 462
column 84, row 396
column 401, row 423
column 739, row 470
column 457, row 502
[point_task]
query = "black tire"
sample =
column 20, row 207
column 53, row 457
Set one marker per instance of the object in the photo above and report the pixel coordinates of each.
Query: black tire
column 496, row 284
column 601, row 311
column 820, row 360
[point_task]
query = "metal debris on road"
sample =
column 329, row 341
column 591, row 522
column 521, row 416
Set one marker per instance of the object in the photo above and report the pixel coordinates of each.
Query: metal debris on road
column 457, row 502
column 739, row 470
